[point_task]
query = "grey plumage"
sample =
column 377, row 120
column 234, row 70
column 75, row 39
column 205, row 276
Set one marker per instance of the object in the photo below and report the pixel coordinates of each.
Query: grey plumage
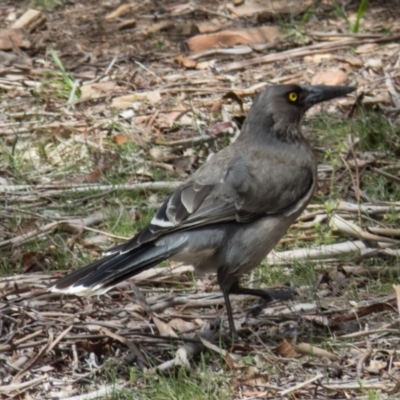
column 229, row 214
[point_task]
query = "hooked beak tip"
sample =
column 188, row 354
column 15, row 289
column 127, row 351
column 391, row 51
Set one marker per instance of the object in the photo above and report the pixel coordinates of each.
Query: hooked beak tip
column 319, row 93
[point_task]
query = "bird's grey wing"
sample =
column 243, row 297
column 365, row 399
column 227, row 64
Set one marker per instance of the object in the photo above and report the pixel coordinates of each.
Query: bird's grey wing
column 197, row 202
column 219, row 193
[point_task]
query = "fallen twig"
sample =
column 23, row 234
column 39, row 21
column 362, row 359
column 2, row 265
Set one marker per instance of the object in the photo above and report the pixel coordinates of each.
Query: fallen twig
column 301, row 385
column 103, row 392
column 52, row 190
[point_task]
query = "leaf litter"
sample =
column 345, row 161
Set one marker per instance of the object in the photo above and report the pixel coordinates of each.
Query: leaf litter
column 128, row 78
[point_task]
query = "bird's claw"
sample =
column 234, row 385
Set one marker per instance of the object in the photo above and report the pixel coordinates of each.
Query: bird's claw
column 274, row 295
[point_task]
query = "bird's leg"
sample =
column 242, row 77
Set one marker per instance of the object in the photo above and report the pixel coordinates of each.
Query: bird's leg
column 268, row 295
column 230, row 285
column 225, row 285
column 232, row 330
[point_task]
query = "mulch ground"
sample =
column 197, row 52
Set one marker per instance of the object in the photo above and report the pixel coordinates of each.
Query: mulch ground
column 147, row 76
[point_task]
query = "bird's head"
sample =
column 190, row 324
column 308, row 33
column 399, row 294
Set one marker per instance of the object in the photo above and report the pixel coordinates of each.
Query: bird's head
column 280, row 108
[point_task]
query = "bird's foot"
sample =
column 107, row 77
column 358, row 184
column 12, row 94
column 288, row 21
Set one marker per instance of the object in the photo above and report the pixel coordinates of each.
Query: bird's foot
column 270, row 296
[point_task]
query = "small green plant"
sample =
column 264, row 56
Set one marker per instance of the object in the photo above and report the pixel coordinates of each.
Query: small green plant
column 202, row 383
column 68, row 86
column 270, row 275
column 362, row 8
column 376, row 132
column 159, row 45
column 46, row 4
column 307, row 15
column 373, row 395
column 304, row 273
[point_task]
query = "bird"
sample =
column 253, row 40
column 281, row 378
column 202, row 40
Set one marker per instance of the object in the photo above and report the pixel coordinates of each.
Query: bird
column 232, row 211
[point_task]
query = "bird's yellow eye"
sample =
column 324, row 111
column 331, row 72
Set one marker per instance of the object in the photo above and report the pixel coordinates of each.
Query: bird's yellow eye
column 292, row 96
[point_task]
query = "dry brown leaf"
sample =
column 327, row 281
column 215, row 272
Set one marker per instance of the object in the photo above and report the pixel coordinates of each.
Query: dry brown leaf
column 96, row 90
column 269, row 7
column 121, row 10
column 134, row 308
column 356, row 314
column 376, row 366
column 29, row 20
column 13, row 37
column 332, row 78
column 162, row 153
column 250, row 376
column 286, row 350
column 99, row 347
column 172, row 117
column 353, row 61
column 219, row 127
column 160, row 26
column 231, row 362
column 33, row 262
column 204, row 65
column 230, row 38
column 213, row 25
column 185, row 62
column 91, row 177
column 127, row 101
column 163, row 328
column 181, row 325
column 308, row 349
column 216, row 106
column 120, row 138
column 94, row 241
column 317, row 58
column 128, row 24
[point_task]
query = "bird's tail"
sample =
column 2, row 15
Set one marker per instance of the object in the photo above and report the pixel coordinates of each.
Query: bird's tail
column 103, row 274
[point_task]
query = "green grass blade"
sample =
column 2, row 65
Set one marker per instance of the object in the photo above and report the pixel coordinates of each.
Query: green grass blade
column 360, row 13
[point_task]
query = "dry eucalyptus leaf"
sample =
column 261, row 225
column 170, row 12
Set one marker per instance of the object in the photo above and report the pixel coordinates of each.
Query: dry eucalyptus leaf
column 181, row 325
column 30, row 20
column 96, row 90
column 317, row 58
column 374, row 63
column 127, row 101
column 250, row 376
column 268, row 7
column 13, row 37
column 119, row 12
column 162, row 153
column 163, row 328
column 286, row 350
column 120, row 139
column 186, row 62
column 332, row 77
column 230, row 38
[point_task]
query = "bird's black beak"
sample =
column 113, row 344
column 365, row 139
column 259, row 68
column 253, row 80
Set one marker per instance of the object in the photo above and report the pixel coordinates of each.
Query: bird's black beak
column 319, row 93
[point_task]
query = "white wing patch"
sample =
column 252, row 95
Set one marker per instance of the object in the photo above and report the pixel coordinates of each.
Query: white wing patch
column 81, row 290
column 161, row 222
